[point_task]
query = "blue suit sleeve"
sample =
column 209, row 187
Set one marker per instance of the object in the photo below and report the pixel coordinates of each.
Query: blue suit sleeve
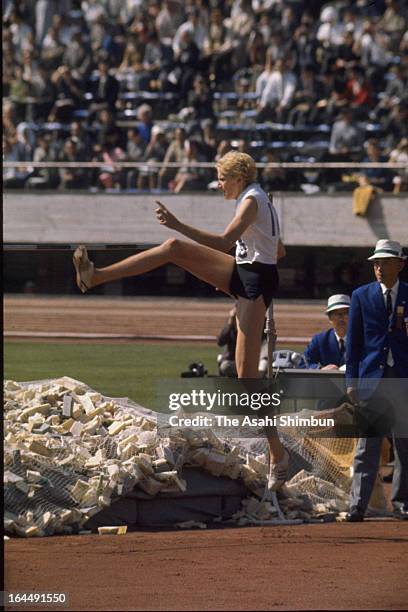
column 355, row 337
column 312, row 354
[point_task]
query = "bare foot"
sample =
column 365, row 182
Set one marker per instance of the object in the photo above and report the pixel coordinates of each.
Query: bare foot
column 84, row 269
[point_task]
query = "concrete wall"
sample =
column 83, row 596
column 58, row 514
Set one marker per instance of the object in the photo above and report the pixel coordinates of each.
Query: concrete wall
column 318, row 220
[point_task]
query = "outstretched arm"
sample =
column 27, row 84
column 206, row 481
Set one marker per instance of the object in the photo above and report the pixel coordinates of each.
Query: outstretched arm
column 245, row 215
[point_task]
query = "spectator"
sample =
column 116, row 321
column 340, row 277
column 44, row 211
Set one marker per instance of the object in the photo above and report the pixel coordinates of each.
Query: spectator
column 44, row 13
column 29, row 65
column 134, row 152
column 395, row 125
column 71, row 178
column 346, row 51
column 106, row 88
column 209, row 142
column 331, row 101
column 169, row 20
column 92, row 11
column 330, row 30
column 14, row 178
column 19, row 86
column 44, row 178
column 111, row 175
column 400, row 155
column 41, row 84
column 135, row 145
column 144, row 115
column 130, row 9
column 263, row 78
column 77, row 56
column 392, row 21
column 200, row 100
column 186, row 65
column 155, row 152
column 198, row 31
column 190, row 178
column 305, row 98
column 256, row 52
column 175, row 153
column 358, row 91
column 103, row 124
column 139, row 36
column 277, row 47
column 376, row 54
column 157, row 62
column 278, row 93
column 394, row 92
column 216, row 51
column 25, row 141
column 20, row 32
column 82, row 140
column 304, row 43
column 216, row 33
column 378, row 177
column 68, row 95
column 289, row 22
column 132, row 58
column 241, row 21
column 52, row 49
column 345, row 137
column 352, row 23
column 63, row 28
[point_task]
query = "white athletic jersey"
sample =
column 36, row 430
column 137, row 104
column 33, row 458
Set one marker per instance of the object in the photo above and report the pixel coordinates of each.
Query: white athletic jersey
column 260, row 240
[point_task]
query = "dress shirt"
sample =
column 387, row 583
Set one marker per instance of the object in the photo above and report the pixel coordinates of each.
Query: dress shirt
column 338, row 338
column 394, row 293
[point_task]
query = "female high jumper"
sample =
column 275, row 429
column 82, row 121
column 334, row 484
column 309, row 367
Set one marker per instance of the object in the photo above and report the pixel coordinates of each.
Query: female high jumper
column 251, row 276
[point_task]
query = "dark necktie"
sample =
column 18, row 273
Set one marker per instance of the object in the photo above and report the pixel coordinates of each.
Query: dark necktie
column 389, row 303
column 341, row 346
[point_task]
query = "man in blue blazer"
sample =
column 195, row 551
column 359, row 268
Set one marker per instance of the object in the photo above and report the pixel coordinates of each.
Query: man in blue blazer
column 327, row 349
column 377, row 349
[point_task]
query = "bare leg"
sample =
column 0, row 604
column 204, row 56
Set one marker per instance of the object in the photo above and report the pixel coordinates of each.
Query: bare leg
column 250, row 324
column 207, row 264
column 276, row 449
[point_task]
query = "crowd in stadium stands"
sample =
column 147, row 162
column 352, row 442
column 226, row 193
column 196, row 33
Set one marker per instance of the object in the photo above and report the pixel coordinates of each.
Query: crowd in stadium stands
column 172, row 81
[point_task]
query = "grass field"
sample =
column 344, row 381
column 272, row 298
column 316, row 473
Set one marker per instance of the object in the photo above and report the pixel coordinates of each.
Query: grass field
column 116, row 370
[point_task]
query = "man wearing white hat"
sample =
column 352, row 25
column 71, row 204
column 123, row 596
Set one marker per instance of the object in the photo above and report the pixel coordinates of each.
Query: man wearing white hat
column 327, row 350
column 377, row 348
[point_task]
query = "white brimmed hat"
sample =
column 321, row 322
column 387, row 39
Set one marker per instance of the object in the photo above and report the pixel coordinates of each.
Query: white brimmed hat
column 337, row 302
column 388, row 248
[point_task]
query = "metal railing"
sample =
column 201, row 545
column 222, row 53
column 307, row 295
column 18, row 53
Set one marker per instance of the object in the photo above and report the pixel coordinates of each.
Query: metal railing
column 155, row 164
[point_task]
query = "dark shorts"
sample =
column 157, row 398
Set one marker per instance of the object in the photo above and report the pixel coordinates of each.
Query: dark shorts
column 252, row 280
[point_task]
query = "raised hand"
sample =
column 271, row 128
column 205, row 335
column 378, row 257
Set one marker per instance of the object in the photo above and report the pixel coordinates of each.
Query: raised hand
column 165, row 217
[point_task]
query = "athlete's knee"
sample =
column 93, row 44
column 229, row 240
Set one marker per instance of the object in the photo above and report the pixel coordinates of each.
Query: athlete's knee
column 171, row 245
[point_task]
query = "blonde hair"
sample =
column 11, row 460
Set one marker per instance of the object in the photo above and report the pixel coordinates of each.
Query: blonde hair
column 235, row 164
